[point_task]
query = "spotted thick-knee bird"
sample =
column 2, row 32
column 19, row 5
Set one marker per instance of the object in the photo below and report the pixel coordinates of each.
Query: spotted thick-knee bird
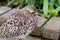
column 19, row 24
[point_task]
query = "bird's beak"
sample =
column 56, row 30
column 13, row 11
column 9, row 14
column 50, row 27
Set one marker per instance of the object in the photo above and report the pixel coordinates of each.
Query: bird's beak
column 36, row 13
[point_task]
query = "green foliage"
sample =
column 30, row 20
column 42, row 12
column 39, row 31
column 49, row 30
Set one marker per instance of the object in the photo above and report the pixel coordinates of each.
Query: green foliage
column 45, row 8
column 22, row 2
column 57, row 3
column 10, row 3
column 53, row 6
column 31, row 2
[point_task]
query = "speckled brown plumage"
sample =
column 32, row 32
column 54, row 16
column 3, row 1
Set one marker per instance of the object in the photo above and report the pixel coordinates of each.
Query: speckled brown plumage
column 19, row 24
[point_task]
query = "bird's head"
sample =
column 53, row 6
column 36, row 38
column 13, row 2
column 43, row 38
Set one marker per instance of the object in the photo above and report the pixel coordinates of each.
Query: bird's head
column 31, row 9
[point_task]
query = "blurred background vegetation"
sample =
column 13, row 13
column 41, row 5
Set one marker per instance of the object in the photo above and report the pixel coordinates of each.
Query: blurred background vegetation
column 49, row 8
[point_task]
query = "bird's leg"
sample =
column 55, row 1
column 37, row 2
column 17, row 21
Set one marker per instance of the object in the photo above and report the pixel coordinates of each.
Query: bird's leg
column 18, row 39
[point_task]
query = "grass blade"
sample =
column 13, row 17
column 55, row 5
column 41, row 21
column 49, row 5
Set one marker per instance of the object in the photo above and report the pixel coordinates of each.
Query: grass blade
column 22, row 2
column 45, row 8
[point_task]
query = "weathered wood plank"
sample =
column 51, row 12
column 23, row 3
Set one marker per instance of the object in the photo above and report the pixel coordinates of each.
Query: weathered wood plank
column 4, row 9
column 52, row 29
column 6, row 15
column 38, row 30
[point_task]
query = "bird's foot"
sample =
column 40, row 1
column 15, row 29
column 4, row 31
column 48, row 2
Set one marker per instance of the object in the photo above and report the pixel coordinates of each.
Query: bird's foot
column 18, row 39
